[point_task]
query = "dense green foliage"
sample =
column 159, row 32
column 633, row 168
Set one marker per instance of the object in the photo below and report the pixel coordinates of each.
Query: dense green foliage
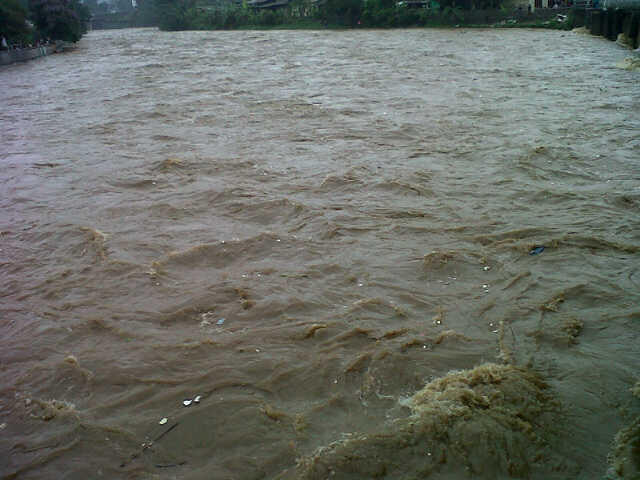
column 176, row 14
column 24, row 22
column 192, row 14
column 234, row 14
column 122, row 14
column 146, row 14
column 187, row 14
column 13, row 21
column 59, row 19
column 342, row 12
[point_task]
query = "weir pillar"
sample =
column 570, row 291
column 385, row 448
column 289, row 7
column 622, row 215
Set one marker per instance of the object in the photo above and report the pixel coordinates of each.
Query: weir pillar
column 630, row 27
column 597, row 19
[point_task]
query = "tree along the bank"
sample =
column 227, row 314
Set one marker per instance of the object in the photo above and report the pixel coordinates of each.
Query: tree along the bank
column 59, row 19
column 13, row 22
column 342, row 12
column 221, row 14
column 176, row 14
column 145, row 14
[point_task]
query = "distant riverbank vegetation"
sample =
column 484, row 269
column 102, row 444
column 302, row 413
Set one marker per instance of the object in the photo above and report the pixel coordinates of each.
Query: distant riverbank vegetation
column 29, row 22
column 258, row 14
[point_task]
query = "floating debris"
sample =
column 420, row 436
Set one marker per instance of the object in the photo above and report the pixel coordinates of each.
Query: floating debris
column 221, row 321
column 188, row 401
column 439, row 317
column 631, row 64
column 311, row 331
column 163, row 421
column 486, row 268
column 537, row 250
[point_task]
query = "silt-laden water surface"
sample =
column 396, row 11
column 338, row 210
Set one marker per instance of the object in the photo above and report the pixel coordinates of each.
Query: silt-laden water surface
column 330, row 238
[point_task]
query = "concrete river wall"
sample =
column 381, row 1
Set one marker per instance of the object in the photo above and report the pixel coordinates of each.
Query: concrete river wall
column 22, row 55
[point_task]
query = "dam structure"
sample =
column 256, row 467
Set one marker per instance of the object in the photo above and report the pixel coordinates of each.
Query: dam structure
column 617, row 20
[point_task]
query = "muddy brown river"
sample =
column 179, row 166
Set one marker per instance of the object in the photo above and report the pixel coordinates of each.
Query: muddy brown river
column 321, row 254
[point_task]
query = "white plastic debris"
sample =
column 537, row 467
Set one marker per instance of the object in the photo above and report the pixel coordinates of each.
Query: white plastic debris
column 486, row 268
column 187, row 402
column 197, row 399
column 163, row 421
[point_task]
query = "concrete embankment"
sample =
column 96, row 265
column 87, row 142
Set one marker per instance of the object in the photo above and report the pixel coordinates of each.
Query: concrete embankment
column 22, row 55
column 614, row 24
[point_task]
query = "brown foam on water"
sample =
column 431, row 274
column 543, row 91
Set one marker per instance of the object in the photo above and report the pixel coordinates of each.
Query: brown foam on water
column 490, row 421
column 625, row 456
column 377, row 304
column 562, row 332
column 95, row 241
column 49, row 409
column 169, row 164
column 629, row 63
column 451, row 261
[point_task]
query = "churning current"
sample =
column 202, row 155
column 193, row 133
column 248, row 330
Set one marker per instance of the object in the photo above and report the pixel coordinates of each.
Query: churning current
column 321, row 254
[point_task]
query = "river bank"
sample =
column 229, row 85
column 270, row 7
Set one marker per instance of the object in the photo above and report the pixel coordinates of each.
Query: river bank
column 368, row 18
column 8, row 57
column 364, row 16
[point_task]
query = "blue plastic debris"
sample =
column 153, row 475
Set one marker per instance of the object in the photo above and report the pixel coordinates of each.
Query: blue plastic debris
column 537, row 250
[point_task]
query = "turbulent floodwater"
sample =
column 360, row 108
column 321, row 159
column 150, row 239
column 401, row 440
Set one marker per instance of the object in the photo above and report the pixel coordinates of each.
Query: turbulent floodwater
column 325, row 236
